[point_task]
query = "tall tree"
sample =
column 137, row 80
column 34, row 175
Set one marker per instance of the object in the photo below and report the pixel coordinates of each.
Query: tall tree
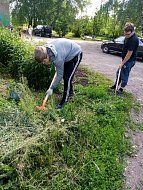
column 113, row 14
column 46, row 11
column 133, row 13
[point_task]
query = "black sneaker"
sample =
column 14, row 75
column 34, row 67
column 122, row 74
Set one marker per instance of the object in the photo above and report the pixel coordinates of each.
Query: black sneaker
column 113, row 87
column 71, row 94
column 60, row 106
column 120, row 92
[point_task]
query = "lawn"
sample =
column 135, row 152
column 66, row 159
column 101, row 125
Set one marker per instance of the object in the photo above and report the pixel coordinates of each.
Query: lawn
column 81, row 147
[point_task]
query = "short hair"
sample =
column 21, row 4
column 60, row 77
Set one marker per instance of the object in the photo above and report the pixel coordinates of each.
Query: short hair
column 129, row 27
column 40, row 54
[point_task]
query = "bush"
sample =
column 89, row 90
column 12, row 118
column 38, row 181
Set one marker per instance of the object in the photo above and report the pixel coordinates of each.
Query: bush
column 17, row 59
column 54, row 33
column 13, row 52
column 69, row 35
column 38, row 76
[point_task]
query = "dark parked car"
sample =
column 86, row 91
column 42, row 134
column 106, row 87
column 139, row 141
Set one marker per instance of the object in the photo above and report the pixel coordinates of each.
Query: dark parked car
column 116, row 46
column 43, row 31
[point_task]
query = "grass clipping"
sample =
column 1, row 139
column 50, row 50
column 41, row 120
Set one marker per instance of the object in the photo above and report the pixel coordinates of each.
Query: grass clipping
column 81, row 147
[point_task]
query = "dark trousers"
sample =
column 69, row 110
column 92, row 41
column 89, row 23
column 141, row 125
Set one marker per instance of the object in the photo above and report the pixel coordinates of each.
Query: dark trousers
column 69, row 71
column 125, row 71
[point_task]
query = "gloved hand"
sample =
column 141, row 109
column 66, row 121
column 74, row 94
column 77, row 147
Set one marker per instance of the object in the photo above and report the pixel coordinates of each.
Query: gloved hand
column 49, row 92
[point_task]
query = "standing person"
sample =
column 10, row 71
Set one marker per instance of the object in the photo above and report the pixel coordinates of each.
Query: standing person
column 10, row 27
column 30, row 30
column 129, row 54
column 66, row 55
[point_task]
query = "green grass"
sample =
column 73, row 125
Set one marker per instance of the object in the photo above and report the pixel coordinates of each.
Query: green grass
column 85, row 151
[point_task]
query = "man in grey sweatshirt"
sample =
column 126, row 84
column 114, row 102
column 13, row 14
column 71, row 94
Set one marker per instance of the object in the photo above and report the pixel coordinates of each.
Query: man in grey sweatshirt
column 66, row 55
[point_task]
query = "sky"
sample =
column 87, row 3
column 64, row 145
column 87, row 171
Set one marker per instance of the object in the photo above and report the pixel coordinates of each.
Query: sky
column 90, row 10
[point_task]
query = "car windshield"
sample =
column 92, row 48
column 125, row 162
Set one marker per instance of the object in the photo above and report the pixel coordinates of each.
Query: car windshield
column 39, row 26
column 140, row 43
column 120, row 39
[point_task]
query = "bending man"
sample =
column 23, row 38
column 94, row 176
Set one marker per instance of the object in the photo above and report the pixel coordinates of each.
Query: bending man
column 66, row 55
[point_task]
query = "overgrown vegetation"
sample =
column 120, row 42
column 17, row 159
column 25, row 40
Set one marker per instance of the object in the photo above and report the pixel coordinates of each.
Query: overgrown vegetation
column 17, row 60
column 81, row 147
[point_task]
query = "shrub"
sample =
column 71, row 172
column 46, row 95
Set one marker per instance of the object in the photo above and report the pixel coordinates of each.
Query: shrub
column 54, row 33
column 38, row 76
column 69, row 35
column 13, row 52
column 17, row 60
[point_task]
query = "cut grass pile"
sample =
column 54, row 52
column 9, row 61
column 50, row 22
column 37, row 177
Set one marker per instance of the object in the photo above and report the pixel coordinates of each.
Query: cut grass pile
column 82, row 147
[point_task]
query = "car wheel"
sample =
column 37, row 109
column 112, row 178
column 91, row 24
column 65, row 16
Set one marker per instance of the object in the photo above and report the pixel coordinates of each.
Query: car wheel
column 105, row 49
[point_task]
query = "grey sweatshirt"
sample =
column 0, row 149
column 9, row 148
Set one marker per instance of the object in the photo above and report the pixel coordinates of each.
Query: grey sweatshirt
column 63, row 51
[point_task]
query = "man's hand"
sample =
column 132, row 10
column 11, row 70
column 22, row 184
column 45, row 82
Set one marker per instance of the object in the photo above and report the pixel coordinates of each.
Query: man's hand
column 49, row 92
column 121, row 65
column 127, row 57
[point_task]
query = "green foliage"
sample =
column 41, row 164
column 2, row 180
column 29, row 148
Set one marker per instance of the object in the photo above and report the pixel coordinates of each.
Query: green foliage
column 109, row 20
column 113, row 15
column 6, row 172
column 61, row 15
column 66, row 17
column 17, row 60
column 39, row 76
column 69, row 35
column 13, row 52
column 81, row 147
column 58, row 14
column 132, row 13
column 82, row 26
